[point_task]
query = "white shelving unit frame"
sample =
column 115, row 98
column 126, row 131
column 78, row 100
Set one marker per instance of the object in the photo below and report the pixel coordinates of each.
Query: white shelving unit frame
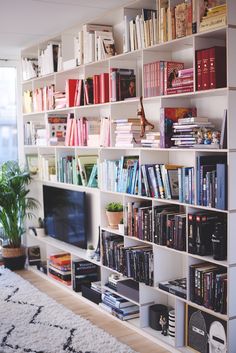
column 209, row 103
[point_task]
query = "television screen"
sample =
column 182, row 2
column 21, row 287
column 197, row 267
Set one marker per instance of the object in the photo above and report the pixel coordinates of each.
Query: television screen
column 65, row 213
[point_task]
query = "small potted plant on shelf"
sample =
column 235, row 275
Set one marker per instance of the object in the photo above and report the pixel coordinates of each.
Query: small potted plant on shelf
column 40, row 230
column 90, row 251
column 121, row 226
column 114, row 212
column 15, row 207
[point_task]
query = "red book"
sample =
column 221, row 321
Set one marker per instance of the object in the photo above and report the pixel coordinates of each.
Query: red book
column 199, row 70
column 71, row 85
column 217, row 67
column 96, row 89
column 104, row 88
column 205, row 69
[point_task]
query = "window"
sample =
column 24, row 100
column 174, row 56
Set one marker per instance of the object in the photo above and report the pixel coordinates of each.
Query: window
column 8, row 111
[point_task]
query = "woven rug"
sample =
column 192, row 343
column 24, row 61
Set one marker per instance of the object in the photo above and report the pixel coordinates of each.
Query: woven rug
column 32, row 322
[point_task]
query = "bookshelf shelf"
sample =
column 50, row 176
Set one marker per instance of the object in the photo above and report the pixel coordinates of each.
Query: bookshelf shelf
column 169, row 263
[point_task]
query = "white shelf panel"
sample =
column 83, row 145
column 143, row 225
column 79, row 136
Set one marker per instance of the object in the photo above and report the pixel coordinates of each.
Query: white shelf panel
column 74, row 250
column 70, row 186
column 200, row 307
column 167, row 201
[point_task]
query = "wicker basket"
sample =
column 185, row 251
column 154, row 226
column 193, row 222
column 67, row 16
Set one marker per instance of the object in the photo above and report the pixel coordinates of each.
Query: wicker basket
column 12, row 252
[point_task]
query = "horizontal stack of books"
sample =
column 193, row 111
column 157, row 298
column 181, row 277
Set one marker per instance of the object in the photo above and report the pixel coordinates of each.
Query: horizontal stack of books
column 177, row 287
column 187, row 132
column 60, row 268
column 113, row 279
column 182, row 83
column 135, row 262
column 151, row 140
column 59, row 99
column 119, row 307
column 208, row 286
column 214, row 17
column 127, row 132
column 84, row 273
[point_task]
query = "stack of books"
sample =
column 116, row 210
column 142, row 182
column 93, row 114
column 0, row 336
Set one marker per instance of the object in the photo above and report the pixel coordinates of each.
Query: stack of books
column 183, row 82
column 119, row 307
column 127, row 132
column 60, row 99
column 151, row 140
column 214, row 17
column 60, row 268
column 188, row 131
column 208, row 286
column 97, row 286
column 169, row 116
column 113, row 279
column 177, row 287
column 84, row 273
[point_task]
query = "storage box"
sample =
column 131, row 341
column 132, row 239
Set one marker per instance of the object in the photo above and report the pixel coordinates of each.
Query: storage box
column 90, row 294
column 129, row 288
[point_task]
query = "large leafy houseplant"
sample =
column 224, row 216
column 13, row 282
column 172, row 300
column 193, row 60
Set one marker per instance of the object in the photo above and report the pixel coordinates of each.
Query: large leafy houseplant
column 15, row 206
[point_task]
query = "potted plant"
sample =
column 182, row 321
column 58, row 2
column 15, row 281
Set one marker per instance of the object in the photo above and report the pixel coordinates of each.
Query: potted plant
column 114, row 211
column 15, row 207
column 90, row 251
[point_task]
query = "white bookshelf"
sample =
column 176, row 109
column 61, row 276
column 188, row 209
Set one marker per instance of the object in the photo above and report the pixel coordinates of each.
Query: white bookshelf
column 169, row 263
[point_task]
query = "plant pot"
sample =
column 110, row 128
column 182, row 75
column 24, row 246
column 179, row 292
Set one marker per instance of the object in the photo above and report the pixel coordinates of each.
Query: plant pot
column 14, row 258
column 114, row 218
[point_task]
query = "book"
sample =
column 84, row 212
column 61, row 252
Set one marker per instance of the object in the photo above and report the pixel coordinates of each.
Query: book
column 85, row 164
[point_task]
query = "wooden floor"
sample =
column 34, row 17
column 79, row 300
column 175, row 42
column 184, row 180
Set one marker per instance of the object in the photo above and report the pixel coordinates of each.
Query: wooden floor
column 123, row 334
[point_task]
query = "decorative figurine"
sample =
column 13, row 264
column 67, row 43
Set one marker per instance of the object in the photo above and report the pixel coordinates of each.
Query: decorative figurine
column 143, row 121
column 164, row 324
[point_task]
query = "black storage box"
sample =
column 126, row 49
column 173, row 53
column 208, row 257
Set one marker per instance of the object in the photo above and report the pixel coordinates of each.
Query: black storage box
column 129, row 288
column 90, row 294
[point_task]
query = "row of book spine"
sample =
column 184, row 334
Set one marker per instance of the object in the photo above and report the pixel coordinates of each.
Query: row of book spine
column 208, row 286
column 166, row 77
column 162, row 181
column 211, row 68
column 162, row 225
column 39, row 99
column 135, row 262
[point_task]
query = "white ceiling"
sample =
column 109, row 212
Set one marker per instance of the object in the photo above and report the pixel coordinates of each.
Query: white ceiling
column 23, row 22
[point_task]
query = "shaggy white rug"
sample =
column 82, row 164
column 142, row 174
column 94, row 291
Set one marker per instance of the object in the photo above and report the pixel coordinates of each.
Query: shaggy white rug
column 32, row 322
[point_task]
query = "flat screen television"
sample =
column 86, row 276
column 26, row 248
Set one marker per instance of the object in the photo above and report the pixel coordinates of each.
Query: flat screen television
column 65, row 215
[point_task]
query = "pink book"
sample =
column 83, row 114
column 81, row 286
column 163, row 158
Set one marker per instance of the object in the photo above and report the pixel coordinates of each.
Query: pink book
column 72, row 133
column 76, row 139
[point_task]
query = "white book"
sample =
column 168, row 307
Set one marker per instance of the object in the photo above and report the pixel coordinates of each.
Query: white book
column 138, row 32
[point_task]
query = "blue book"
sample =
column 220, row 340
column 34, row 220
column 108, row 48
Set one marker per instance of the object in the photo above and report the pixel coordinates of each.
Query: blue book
column 221, row 186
